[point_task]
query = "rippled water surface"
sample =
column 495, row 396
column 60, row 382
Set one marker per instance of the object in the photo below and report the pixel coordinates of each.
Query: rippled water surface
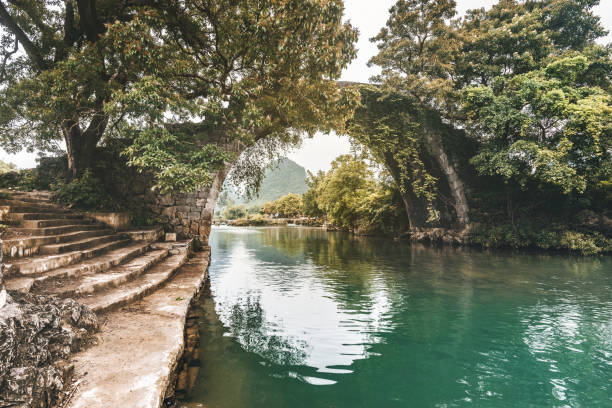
column 305, row 318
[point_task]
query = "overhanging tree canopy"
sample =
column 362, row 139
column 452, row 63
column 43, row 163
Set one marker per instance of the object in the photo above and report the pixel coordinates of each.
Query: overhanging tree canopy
column 525, row 81
column 174, row 77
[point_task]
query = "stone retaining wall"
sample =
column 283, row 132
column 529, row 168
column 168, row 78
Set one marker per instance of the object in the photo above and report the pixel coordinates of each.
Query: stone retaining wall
column 188, row 215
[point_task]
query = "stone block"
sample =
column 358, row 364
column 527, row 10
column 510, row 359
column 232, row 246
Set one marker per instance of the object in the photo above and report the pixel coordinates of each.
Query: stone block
column 169, row 212
column 204, row 230
column 166, row 200
column 170, row 236
column 118, row 221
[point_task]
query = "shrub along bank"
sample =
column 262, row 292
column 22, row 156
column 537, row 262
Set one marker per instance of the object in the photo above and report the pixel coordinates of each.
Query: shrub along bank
column 106, row 186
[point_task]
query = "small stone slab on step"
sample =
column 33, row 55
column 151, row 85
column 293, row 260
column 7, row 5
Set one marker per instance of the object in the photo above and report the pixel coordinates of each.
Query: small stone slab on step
column 139, row 346
column 138, row 288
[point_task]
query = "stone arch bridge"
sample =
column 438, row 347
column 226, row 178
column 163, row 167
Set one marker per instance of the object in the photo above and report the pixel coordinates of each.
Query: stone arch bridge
column 445, row 148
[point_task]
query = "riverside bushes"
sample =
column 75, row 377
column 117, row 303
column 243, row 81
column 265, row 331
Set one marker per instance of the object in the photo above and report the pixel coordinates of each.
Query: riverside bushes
column 539, row 237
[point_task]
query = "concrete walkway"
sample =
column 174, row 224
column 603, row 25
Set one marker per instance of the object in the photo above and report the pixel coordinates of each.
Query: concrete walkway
column 139, row 346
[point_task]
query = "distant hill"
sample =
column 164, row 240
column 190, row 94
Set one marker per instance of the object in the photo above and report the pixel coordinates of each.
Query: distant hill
column 6, row 167
column 282, row 178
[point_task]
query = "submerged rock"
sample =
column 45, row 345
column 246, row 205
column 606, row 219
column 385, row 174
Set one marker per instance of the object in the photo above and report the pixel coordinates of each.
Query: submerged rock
column 37, row 334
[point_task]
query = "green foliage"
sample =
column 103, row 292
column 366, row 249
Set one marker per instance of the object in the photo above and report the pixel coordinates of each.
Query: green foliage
column 351, row 198
column 234, row 212
column 310, row 207
column 344, row 192
column 540, row 237
column 85, row 192
column 551, row 125
column 48, row 170
column 390, row 127
column 257, row 219
column 187, row 83
column 286, row 206
column 6, row 167
column 525, row 81
column 10, row 179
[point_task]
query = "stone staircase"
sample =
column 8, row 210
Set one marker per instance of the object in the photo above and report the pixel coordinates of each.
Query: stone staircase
column 50, row 250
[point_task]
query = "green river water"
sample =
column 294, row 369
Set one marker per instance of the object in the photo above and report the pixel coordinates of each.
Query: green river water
column 300, row 317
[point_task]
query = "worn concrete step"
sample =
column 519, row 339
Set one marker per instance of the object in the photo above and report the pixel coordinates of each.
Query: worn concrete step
column 29, row 245
column 96, row 282
column 64, row 229
column 97, row 264
column 19, row 216
column 31, row 204
column 54, row 223
column 26, row 197
column 80, row 245
column 7, row 210
column 44, row 263
column 140, row 287
column 147, row 339
column 27, row 202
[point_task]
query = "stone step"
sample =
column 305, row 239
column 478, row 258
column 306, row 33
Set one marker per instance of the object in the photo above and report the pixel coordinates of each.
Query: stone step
column 54, row 223
column 95, row 282
column 140, row 287
column 44, row 263
column 6, row 210
column 64, row 229
column 27, row 246
column 80, row 245
column 110, row 374
column 28, row 202
column 97, row 264
column 31, row 205
column 27, row 197
column 19, row 216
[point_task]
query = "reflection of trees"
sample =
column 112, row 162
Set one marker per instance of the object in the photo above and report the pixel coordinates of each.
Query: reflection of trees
column 476, row 318
column 249, row 326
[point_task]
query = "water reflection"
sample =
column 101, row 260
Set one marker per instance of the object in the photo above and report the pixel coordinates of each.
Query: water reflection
column 387, row 324
column 291, row 305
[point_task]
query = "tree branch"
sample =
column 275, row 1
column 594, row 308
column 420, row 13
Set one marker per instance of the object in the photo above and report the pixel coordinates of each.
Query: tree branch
column 8, row 55
column 33, row 52
column 88, row 19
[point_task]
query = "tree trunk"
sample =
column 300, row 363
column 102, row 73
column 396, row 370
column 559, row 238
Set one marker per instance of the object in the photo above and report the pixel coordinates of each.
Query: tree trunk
column 81, row 145
column 434, row 144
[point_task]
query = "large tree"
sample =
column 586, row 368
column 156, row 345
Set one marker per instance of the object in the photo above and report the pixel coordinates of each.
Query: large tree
column 520, row 91
column 175, row 78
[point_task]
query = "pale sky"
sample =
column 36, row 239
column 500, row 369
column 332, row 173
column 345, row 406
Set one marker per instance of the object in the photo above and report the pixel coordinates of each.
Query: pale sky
column 369, row 17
